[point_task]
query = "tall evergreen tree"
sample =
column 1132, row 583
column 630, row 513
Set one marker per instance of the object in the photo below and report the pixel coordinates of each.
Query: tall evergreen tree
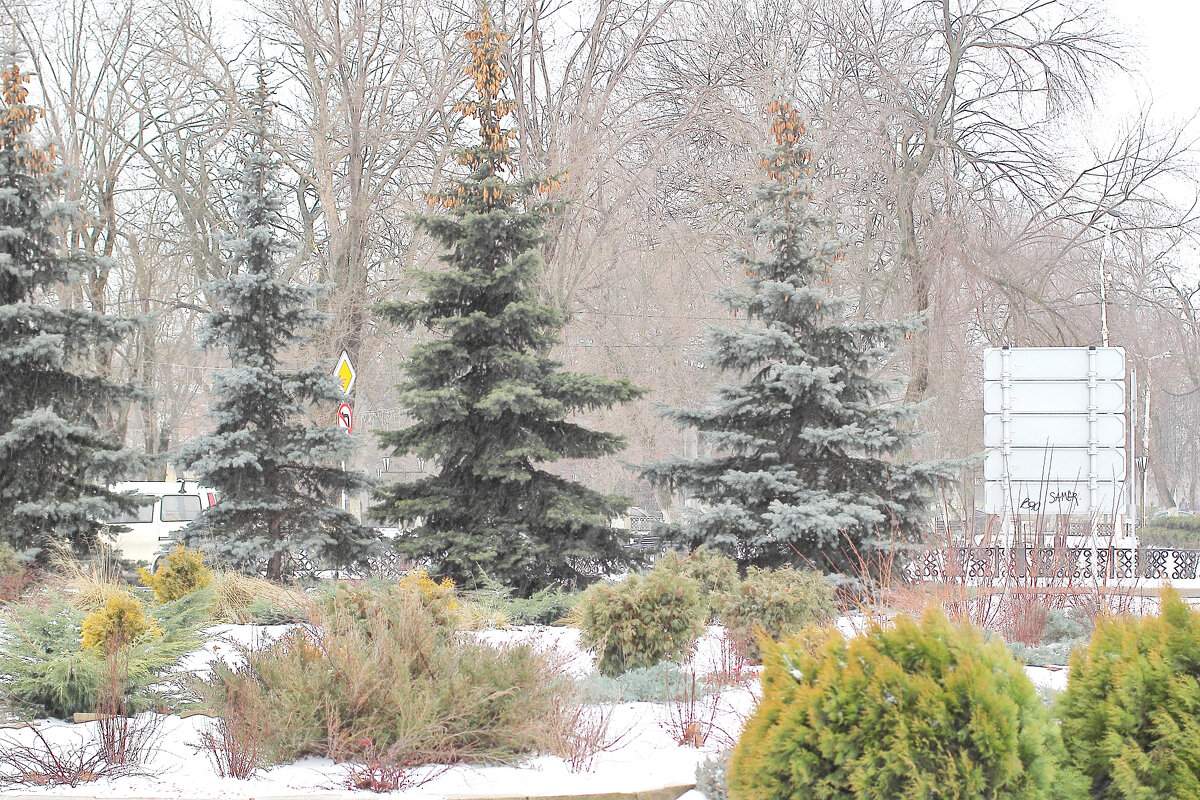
column 55, row 461
column 488, row 403
column 805, row 469
column 277, row 475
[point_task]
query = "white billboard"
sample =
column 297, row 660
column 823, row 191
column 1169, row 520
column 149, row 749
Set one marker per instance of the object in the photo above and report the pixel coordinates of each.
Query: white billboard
column 1038, row 463
column 1053, row 497
column 1054, row 397
column 1054, row 430
column 1054, row 363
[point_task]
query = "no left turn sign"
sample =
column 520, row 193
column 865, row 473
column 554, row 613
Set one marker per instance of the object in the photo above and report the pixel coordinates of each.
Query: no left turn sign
column 345, row 417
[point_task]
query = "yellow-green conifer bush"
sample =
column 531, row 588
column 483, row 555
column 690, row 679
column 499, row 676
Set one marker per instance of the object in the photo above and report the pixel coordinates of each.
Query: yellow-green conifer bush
column 1131, row 711
column 640, row 621
column 915, row 711
column 776, row 603
column 716, row 573
column 178, row 575
column 120, row 622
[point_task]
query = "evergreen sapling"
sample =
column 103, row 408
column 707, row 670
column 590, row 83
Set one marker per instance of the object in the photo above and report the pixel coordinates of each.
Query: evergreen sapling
column 276, row 475
column 488, row 403
column 55, row 460
column 805, row 469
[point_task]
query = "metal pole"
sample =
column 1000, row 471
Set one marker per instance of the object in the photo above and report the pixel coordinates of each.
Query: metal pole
column 1103, row 291
column 1133, row 398
column 1146, row 444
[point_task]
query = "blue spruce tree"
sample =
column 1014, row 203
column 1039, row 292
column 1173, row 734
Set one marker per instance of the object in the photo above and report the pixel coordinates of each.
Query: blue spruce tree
column 55, row 461
column 488, row 403
column 805, row 469
column 277, row 475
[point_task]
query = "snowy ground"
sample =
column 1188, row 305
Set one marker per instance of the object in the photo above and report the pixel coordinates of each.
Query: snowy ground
column 644, row 757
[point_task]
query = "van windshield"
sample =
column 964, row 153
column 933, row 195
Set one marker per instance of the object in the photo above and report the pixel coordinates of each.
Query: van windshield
column 143, row 513
column 180, row 507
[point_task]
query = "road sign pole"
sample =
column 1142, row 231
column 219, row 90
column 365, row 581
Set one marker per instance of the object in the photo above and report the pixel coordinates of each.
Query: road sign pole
column 346, row 375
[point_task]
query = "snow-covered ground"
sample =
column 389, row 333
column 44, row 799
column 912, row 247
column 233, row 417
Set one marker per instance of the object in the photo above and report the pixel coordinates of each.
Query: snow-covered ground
column 644, row 757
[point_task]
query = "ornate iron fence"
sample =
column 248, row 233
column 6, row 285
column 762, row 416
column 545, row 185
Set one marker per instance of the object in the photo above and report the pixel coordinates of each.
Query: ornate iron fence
column 1055, row 564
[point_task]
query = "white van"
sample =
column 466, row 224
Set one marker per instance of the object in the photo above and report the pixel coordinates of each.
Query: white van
column 167, row 506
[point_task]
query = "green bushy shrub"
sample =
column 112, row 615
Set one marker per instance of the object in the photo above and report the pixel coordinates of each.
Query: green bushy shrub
column 910, row 712
column 1063, row 633
column 180, row 573
column 1131, row 710
column 15, row 575
column 716, row 574
column 640, row 621
column 1171, row 532
column 380, row 670
column 44, row 667
column 545, row 607
column 10, row 562
column 777, row 602
column 661, row 683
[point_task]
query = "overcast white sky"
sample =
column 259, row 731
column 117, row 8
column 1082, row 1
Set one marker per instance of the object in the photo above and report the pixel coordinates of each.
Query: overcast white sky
column 1166, row 34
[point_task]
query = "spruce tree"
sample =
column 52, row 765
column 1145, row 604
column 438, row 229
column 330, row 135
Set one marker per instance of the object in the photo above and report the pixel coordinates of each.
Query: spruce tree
column 276, row 474
column 804, row 469
column 55, row 461
column 488, row 403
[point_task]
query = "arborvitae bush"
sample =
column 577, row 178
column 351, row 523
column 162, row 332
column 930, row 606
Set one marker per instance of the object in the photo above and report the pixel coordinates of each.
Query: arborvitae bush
column 641, row 620
column 1131, row 711
column 915, row 711
column 121, row 621
column 379, row 669
column 179, row 574
column 777, row 603
column 46, row 669
column 717, row 574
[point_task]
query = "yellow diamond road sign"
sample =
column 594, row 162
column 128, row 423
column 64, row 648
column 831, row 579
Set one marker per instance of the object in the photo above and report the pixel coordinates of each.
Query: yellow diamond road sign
column 345, row 373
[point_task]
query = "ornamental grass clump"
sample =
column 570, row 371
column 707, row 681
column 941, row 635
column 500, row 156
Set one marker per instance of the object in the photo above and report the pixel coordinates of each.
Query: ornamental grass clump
column 380, row 669
column 241, row 599
column 641, row 620
column 1131, row 711
column 915, row 711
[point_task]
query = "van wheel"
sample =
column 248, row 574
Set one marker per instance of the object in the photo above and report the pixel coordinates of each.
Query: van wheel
column 154, row 564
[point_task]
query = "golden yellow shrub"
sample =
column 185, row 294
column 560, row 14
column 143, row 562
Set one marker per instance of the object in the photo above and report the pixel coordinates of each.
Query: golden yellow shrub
column 178, row 575
column 120, row 621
